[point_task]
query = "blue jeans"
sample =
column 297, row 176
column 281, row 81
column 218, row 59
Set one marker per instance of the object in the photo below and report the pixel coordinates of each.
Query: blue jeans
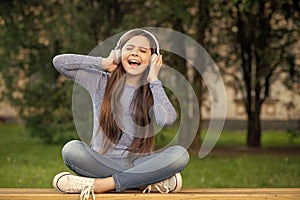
column 84, row 161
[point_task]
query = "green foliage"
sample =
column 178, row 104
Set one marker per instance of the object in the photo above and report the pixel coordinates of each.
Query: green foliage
column 33, row 32
column 54, row 124
column 294, row 134
column 263, row 36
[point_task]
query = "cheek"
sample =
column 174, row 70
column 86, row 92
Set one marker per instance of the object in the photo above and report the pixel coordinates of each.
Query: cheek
column 124, row 59
column 146, row 59
column 124, row 55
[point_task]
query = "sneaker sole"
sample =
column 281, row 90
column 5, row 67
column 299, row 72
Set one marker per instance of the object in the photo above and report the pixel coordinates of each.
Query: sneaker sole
column 56, row 179
column 178, row 183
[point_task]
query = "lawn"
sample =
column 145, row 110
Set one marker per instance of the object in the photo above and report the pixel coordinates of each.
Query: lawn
column 27, row 162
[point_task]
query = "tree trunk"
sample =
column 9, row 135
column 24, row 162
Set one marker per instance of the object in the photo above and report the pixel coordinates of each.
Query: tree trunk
column 195, row 146
column 203, row 20
column 254, row 127
column 184, row 131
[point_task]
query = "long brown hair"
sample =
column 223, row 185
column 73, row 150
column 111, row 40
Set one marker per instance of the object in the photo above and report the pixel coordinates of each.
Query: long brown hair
column 111, row 109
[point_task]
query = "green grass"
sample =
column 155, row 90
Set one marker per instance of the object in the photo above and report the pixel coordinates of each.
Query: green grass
column 242, row 171
column 268, row 139
column 27, row 162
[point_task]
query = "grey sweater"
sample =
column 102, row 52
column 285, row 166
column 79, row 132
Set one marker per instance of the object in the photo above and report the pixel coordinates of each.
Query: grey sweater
column 87, row 72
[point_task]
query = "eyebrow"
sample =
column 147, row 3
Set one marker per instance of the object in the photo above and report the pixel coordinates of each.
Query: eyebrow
column 142, row 47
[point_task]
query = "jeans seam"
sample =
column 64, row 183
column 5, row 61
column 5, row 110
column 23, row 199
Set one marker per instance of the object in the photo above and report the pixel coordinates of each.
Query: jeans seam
column 117, row 183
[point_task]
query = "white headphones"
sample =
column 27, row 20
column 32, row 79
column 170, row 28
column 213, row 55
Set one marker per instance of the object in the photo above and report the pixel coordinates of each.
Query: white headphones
column 117, row 59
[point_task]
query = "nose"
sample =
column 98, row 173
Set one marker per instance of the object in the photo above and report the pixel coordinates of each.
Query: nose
column 134, row 52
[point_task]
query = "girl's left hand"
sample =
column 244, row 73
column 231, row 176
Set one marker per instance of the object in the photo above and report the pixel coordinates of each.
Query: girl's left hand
column 156, row 64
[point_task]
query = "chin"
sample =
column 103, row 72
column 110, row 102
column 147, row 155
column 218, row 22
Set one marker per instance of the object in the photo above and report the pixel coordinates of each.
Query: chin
column 135, row 70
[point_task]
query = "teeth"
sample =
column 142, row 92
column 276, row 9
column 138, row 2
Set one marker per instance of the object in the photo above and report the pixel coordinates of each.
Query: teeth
column 134, row 62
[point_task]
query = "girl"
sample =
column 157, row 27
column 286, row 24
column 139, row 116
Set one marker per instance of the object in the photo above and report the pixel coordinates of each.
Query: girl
column 127, row 98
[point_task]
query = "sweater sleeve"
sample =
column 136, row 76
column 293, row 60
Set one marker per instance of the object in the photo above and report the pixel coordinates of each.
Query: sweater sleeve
column 84, row 70
column 164, row 111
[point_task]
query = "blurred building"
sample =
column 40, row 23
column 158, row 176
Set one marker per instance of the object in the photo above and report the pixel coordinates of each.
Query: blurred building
column 281, row 110
column 7, row 112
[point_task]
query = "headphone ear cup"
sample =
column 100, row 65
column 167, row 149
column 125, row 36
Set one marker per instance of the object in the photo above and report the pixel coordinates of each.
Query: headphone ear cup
column 153, row 57
column 117, row 57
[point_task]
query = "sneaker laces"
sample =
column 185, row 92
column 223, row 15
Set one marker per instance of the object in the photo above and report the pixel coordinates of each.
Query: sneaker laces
column 86, row 191
column 162, row 187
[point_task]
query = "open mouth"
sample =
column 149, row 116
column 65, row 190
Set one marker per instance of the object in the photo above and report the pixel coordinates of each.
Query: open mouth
column 134, row 63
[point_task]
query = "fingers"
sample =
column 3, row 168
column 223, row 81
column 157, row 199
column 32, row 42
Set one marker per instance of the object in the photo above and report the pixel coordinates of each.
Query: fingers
column 155, row 68
column 110, row 65
column 114, row 57
column 157, row 61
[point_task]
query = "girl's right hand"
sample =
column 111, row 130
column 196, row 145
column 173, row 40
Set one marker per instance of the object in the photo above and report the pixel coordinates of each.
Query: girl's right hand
column 108, row 63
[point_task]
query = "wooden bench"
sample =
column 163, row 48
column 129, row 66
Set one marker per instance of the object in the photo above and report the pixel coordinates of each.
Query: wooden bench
column 185, row 194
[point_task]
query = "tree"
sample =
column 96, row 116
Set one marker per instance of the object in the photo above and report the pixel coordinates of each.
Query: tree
column 264, row 33
column 33, row 86
column 202, row 24
column 33, row 33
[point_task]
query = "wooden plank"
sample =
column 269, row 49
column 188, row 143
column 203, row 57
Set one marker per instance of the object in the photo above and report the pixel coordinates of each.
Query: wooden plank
column 186, row 194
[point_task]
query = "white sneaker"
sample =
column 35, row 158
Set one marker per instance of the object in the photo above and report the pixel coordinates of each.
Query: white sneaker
column 67, row 183
column 172, row 184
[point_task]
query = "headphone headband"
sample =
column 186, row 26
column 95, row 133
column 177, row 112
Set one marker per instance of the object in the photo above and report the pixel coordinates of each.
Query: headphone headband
column 147, row 32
